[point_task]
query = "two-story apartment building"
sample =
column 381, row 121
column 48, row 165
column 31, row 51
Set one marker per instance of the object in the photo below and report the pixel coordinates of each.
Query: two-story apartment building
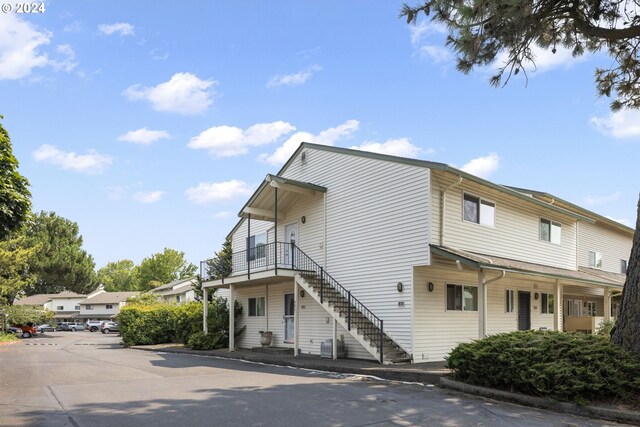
column 103, row 305
column 65, row 305
column 178, row 291
column 405, row 258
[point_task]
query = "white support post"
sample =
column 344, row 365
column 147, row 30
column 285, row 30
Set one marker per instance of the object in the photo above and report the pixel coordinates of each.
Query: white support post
column 557, row 313
column 335, row 339
column 296, row 316
column 482, row 305
column 232, row 316
column 205, row 311
column 607, row 304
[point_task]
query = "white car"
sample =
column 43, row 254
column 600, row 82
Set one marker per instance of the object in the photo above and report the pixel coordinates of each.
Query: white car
column 93, row 325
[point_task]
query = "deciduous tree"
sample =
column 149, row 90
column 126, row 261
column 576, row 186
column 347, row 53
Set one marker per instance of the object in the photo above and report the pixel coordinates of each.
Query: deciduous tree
column 14, row 267
column 164, row 267
column 481, row 30
column 119, row 275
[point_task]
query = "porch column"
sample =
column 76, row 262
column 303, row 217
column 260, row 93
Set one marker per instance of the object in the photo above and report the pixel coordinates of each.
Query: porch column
column 482, row 305
column 557, row 312
column 232, row 316
column 296, row 316
column 205, row 310
column 335, row 339
column 607, row 304
column 248, row 248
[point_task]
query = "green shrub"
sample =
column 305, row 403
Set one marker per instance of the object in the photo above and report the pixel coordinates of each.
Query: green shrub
column 605, row 328
column 188, row 320
column 200, row 341
column 564, row 366
column 7, row 337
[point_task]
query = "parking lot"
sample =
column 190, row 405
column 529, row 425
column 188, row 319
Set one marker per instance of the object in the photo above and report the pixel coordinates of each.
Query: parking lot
column 88, row 379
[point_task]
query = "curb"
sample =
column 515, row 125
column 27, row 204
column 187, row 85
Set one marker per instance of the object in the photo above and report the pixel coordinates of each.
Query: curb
column 386, row 374
column 539, row 402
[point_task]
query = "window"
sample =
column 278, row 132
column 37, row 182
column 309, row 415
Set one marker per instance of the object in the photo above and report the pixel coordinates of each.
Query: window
column 548, row 301
column 89, row 307
column 256, row 247
column 462, row 298
column 595, row 259
column 550, row 231
column 60, row 307
column 510, row 301
column 591, row 308
column 623, row 266
column 178, row 299
column 256, row 307
column 77, row 307
column 109, row 307
column 479, row 210
column 574, row 308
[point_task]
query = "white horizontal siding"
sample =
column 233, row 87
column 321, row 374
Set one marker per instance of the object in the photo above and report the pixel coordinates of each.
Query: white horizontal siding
column 311, row 232
column 613, row 245
column 377, row 229
column 250, row 337
column 239, row 238
column 516, row 234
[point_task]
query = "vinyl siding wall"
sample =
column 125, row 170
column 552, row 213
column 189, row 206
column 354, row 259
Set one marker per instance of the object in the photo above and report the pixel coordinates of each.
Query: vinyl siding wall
column 377, row 229
column 614, row 246
column 517, row 226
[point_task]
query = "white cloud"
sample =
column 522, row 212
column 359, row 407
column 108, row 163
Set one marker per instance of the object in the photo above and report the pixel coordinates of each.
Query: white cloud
column 122, row 28
column 91, row 163
column 20, row 42
column 428, row 40
column 293, row 79
column 483, row 166
column 227, row 141
column 621, row 124
column 144, row 136
column 326, row 137
column 621, row 221
column 158, row 55
column 67, row 62
column 147, row 196
column 543, row 60
column 223, row 214
column 218, row 191
column 73, row 27
column 395, row 147
column 603, row 200
column 184, row 93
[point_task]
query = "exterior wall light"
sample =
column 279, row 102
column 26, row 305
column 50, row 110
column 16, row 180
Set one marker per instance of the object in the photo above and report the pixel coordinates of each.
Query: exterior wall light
column 303, row 219
column 302, row 293
column 430, row 287
column 399, row 286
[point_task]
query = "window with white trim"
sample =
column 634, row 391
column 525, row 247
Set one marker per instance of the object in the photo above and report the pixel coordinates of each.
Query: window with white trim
column 77, row 307
column 550, row 231
column 60, row 307
column 595, row 259
column 89, row 307
column 547, row 303
column 256, row 245
column 256, row 307
column 109, row 306
column 478, row 210
column 623, row 266
column 591, row 308
column 462, row 298
column 510, row 298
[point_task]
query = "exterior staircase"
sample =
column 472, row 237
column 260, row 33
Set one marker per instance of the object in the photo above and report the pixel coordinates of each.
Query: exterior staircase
column 351, row 314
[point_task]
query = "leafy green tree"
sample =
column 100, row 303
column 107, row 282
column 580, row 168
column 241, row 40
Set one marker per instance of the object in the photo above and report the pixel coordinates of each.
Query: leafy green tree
column 60, row 263
column 119, row 275
column 481, row 30
column 164, row 267
column 15, row 198
column 144, row 299
column 23, row 314
column 14, row 267
column 627, row 328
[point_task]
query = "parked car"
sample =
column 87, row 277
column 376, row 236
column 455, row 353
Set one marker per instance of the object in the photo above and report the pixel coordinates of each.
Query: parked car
column 14, row 330
column 45, row 328
column 28, row 330
column 68, row 326
column 93, row 325
column 106, row 327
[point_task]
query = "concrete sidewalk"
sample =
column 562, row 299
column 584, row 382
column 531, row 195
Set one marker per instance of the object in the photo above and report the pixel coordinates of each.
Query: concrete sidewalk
column 425, row 373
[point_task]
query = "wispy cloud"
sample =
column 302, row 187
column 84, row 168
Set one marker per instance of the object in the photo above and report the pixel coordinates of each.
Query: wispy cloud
column 621, row 124
column 327, row 137
column 144, row 136
column 223, row 214
column 602, row 200
column 621, row 221
column 395, row 147
column 218, row 191
column 483, row 166
column 91, row 163
column 121, row 28
column 427, row 39
column 228, row 141
column 184, row 94
column 294, row 79
column 148, row 197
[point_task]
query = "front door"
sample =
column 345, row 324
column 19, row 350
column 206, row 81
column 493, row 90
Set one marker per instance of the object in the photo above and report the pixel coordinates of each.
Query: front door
column 289, row 311
column 290, row 236
column 524, row 311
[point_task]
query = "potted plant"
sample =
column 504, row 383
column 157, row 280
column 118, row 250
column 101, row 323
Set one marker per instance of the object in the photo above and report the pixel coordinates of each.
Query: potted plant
column 265, row 338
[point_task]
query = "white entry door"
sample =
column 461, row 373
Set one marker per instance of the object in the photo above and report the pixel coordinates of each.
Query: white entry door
column 290, row 236
column 289, row 311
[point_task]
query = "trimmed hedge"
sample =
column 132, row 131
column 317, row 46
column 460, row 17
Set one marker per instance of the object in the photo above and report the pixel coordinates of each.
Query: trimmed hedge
column 200, row 341
column 165, row 323
column 564, row 366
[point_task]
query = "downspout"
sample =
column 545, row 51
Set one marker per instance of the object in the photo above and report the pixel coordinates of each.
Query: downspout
column 443, row 208
column 495, row 279
column 482, row 293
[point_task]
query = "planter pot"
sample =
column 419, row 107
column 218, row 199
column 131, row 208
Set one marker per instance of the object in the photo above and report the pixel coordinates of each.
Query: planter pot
column 265, row 338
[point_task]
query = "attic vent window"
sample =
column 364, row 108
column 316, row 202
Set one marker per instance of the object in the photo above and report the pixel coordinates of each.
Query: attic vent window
column 303, row 158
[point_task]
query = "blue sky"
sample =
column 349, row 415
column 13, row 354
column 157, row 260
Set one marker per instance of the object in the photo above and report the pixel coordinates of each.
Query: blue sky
column 149, row 123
